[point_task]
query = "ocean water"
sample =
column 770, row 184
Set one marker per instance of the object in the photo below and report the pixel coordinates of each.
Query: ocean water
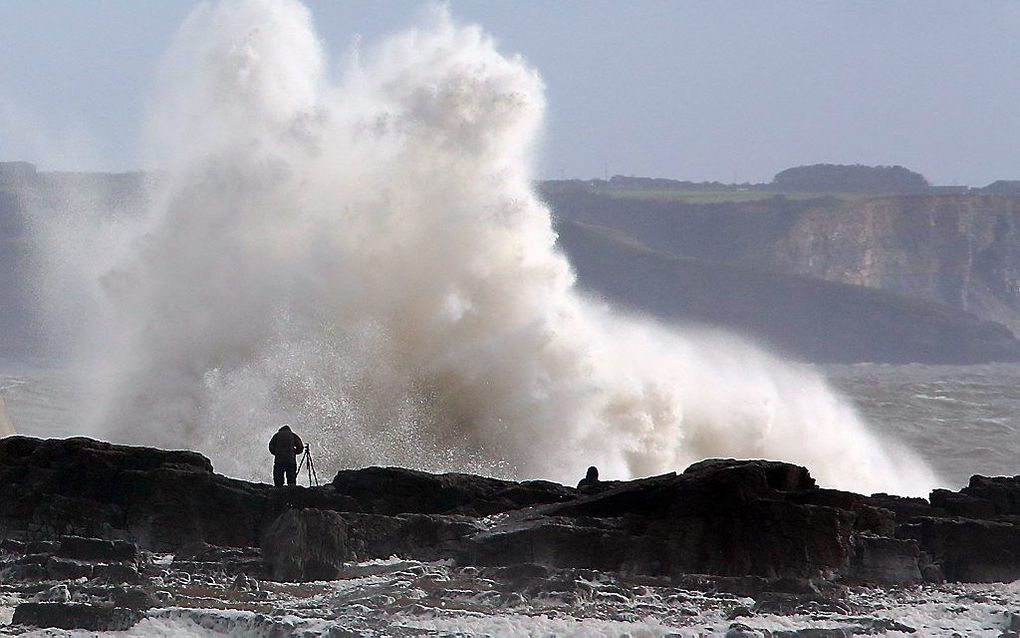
column 963, row 420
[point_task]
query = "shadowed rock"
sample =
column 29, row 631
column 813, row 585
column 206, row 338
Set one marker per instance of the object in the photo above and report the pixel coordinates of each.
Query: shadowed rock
column 736, row 519
column 75, row 616
column 304, row 545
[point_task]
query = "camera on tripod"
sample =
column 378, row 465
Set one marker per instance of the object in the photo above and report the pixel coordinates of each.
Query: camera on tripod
column 309, row 465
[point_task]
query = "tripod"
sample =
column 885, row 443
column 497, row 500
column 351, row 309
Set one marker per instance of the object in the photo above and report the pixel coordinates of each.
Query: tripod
column 306, row 462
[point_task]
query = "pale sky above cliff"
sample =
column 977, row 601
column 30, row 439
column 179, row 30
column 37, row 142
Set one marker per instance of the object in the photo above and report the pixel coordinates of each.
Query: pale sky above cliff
column 692, row 90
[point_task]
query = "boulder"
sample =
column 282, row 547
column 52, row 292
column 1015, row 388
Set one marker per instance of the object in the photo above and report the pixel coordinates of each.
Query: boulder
column 305, row 545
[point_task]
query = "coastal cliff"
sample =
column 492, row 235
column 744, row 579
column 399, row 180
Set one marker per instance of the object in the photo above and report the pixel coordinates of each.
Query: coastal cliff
column 955, row 251
column 959, row 250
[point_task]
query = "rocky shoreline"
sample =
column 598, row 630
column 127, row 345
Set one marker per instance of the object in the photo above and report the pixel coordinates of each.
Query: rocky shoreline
column 91, row 527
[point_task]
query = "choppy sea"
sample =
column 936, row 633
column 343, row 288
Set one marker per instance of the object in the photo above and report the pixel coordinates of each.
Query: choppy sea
column 963, row 420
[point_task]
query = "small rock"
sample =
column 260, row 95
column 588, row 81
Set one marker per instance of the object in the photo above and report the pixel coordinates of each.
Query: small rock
column 737, row 612
column 740, row 630
column 1013, row 621
column 243, row 582
column 56, row 594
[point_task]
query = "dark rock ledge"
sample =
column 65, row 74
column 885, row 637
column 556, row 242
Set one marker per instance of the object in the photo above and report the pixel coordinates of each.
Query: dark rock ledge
column 87, row 510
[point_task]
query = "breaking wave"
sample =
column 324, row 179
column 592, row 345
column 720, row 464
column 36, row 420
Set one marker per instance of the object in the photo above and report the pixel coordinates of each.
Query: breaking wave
column 360, row 253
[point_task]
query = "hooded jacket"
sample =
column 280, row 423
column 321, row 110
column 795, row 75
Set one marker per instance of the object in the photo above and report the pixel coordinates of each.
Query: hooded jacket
column 285, row 446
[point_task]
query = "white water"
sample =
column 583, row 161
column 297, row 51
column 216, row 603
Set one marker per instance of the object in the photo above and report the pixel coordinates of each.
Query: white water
column 398, row 598
column 365, row 259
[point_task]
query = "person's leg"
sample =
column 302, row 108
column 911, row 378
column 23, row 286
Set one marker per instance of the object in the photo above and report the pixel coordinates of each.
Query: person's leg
column 292, row 474
column 277, row 474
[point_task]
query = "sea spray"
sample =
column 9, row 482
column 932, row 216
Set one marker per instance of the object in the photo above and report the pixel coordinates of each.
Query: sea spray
column 366, row 259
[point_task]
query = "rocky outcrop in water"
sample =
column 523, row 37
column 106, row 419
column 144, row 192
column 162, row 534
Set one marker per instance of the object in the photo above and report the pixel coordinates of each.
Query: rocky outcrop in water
column 761, row 520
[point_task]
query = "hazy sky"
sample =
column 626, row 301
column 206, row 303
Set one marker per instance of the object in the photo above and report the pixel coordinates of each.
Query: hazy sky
column 692, row 90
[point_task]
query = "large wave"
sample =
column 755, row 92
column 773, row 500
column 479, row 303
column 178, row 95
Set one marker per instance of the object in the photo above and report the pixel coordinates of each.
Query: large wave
column 365, row 258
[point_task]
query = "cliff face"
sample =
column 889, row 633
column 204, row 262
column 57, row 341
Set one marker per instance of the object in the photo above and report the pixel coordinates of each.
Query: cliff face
column 962, row 251
column 806, row 317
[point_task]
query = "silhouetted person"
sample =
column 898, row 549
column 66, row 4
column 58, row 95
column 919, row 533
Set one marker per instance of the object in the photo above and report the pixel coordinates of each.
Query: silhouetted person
column 285, row 446
column 590, row 481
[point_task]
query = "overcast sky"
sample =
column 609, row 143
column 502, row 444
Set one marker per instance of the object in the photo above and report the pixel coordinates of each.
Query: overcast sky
column 708, row 90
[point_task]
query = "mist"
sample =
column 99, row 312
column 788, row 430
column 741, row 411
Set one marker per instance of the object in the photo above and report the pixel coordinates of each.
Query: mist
column 356, row 248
